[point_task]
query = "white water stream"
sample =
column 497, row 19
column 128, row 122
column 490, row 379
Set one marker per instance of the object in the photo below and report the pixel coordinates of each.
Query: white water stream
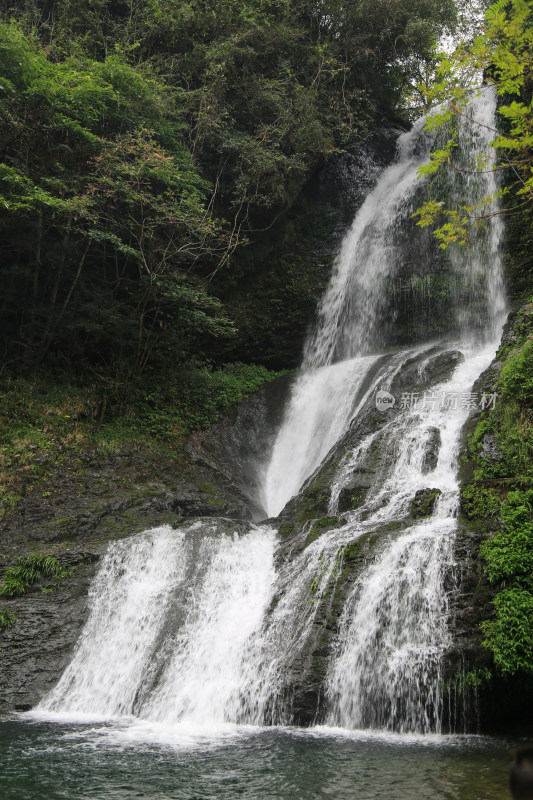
column 206, row 625
column 171, row 613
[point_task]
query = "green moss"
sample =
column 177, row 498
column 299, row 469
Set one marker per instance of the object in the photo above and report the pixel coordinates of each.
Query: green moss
column 286, row 529
column 351, row 553
column 321, row 525
column 349, row 499
column 8, row 501
column 424, row 502
column 207, row 488
column 314, row 502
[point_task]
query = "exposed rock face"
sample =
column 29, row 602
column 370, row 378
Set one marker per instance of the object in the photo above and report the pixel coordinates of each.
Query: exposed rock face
column 431, row 456
column 35, row 651
column 237, row 446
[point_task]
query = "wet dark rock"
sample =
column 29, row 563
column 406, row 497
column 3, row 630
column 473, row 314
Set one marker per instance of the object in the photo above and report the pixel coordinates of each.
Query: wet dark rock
column 433, row 369
column 431, row 455
column 36, row 650
column 300, row 516
column 424, row 502
column 352, row 497
column 239, row 443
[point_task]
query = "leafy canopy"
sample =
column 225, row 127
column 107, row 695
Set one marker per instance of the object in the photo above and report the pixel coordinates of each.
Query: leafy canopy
column 501, row 55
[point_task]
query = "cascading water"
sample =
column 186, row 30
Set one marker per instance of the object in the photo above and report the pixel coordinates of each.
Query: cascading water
column 386, row 672
column 211, row 622
column 171, row 613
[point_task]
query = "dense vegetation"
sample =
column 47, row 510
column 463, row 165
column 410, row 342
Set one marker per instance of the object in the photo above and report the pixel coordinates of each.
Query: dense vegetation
column 145, row 147
column 142, row 143
column 500, row 498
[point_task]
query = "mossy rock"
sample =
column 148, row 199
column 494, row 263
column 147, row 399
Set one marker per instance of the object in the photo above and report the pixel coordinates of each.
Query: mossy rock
column 424, row 502
column 351, row 554
column 320, row 526
column 352, row 498
column 286, row 529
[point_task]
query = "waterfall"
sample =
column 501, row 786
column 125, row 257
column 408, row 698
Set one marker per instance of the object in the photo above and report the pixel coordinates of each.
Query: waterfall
column 352, row 311
column 171, row 612
column 322, row 404
column 386, row 671
column 219, row 621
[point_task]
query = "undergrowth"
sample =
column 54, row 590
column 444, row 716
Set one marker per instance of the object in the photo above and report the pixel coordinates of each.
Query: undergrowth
column 28, row 570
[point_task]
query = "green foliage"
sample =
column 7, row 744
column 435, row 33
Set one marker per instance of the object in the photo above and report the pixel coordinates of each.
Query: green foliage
column 43, row 421
column 503, row 54
column 475, row 679
column 517, row 375
column 508, row 561
column 28, row 570
column 510, row 635
column 145, row 143
column 110, row 211
column 8, row 501
column 509, row 424
column 478, row 502
column 204, row 394
column 7, row 619
column 509, row 555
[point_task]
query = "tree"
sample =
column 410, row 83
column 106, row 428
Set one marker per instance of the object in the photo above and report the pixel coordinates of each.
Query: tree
column 502, row 55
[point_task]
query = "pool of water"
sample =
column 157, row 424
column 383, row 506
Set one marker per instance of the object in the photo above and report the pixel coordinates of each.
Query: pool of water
column 44, row 759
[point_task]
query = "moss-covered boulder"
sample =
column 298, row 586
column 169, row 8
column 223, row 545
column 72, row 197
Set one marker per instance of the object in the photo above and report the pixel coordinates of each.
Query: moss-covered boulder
column 424, row 502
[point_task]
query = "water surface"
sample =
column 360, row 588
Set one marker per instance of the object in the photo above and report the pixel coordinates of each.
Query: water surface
column 43, row 760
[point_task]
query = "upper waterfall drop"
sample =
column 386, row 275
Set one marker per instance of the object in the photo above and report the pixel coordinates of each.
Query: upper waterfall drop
column 353, row 310
column 322, row 402
column 350, row 310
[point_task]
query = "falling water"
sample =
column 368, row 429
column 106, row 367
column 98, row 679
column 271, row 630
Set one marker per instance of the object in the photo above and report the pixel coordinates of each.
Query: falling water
column 211, row 622
column 387, row 669
column 351, row 311
column 171, row 612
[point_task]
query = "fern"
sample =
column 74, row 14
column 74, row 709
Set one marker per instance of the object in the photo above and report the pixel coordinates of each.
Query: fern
column 27, row 571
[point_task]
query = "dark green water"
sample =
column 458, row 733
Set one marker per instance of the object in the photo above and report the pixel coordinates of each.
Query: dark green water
column 43, row 760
